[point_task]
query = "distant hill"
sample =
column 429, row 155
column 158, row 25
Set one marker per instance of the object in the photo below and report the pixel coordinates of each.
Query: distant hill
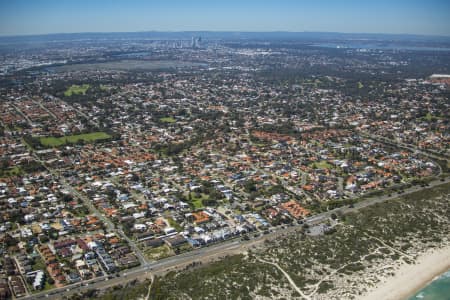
column 225, row 35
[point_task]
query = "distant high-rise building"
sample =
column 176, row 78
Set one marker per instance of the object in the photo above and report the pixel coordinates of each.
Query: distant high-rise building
column 195, row 42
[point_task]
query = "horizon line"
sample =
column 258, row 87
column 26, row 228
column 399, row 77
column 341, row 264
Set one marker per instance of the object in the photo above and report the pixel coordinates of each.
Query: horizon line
column 223, row 31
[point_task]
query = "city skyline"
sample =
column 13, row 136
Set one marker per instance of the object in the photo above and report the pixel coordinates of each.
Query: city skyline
column 349, row 16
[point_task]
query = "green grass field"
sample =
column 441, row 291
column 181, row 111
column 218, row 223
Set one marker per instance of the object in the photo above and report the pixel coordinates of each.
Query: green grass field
column 13, row 171
column 174, row 224
column 322, row 165
column 168, row 120
column 76, row 90
column 429, row 117
column 198, row 201
column 60, row 141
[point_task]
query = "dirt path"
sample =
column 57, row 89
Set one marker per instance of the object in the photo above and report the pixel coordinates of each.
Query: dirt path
column 389, row 247
column 287, row 277
column 152, row 278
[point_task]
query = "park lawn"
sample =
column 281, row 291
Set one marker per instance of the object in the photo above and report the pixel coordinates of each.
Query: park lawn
column 168, row 120
column 429, row 117
column 322, row 165
column 60, row 141
column 76, row 90
column 198, row 201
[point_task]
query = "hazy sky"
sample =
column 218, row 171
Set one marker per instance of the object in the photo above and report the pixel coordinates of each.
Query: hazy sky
column 19, row 17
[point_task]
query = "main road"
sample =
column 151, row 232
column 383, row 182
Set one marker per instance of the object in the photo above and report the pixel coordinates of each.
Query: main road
column 212, row 252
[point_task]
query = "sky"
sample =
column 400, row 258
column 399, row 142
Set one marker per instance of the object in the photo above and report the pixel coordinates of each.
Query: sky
column 24, row 17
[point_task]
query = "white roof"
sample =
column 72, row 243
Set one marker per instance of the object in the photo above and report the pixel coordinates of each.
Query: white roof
column 440, row 76
column 129, row 205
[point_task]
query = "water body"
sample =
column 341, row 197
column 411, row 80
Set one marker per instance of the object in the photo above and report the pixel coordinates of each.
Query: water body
column 378, row 46
column 438, row 289
column 133, row 55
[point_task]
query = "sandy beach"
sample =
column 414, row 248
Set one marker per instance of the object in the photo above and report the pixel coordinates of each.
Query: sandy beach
column 409, row 279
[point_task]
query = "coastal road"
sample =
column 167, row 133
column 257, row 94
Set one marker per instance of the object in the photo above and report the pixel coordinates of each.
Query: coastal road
column 158, row 267
column 413, row 148
column 371, row 201
column 212, row 252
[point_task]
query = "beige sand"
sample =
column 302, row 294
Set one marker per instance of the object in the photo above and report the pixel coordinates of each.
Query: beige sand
column 409, row 279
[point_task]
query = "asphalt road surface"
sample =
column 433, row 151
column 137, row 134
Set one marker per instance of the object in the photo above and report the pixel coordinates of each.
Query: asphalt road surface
column 212, row 252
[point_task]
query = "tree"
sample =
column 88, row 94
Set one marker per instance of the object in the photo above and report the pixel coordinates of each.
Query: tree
column 250, row 186
column 10, row 241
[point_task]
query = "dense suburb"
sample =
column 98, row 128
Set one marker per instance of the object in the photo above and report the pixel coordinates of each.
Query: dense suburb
column 400, row 223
